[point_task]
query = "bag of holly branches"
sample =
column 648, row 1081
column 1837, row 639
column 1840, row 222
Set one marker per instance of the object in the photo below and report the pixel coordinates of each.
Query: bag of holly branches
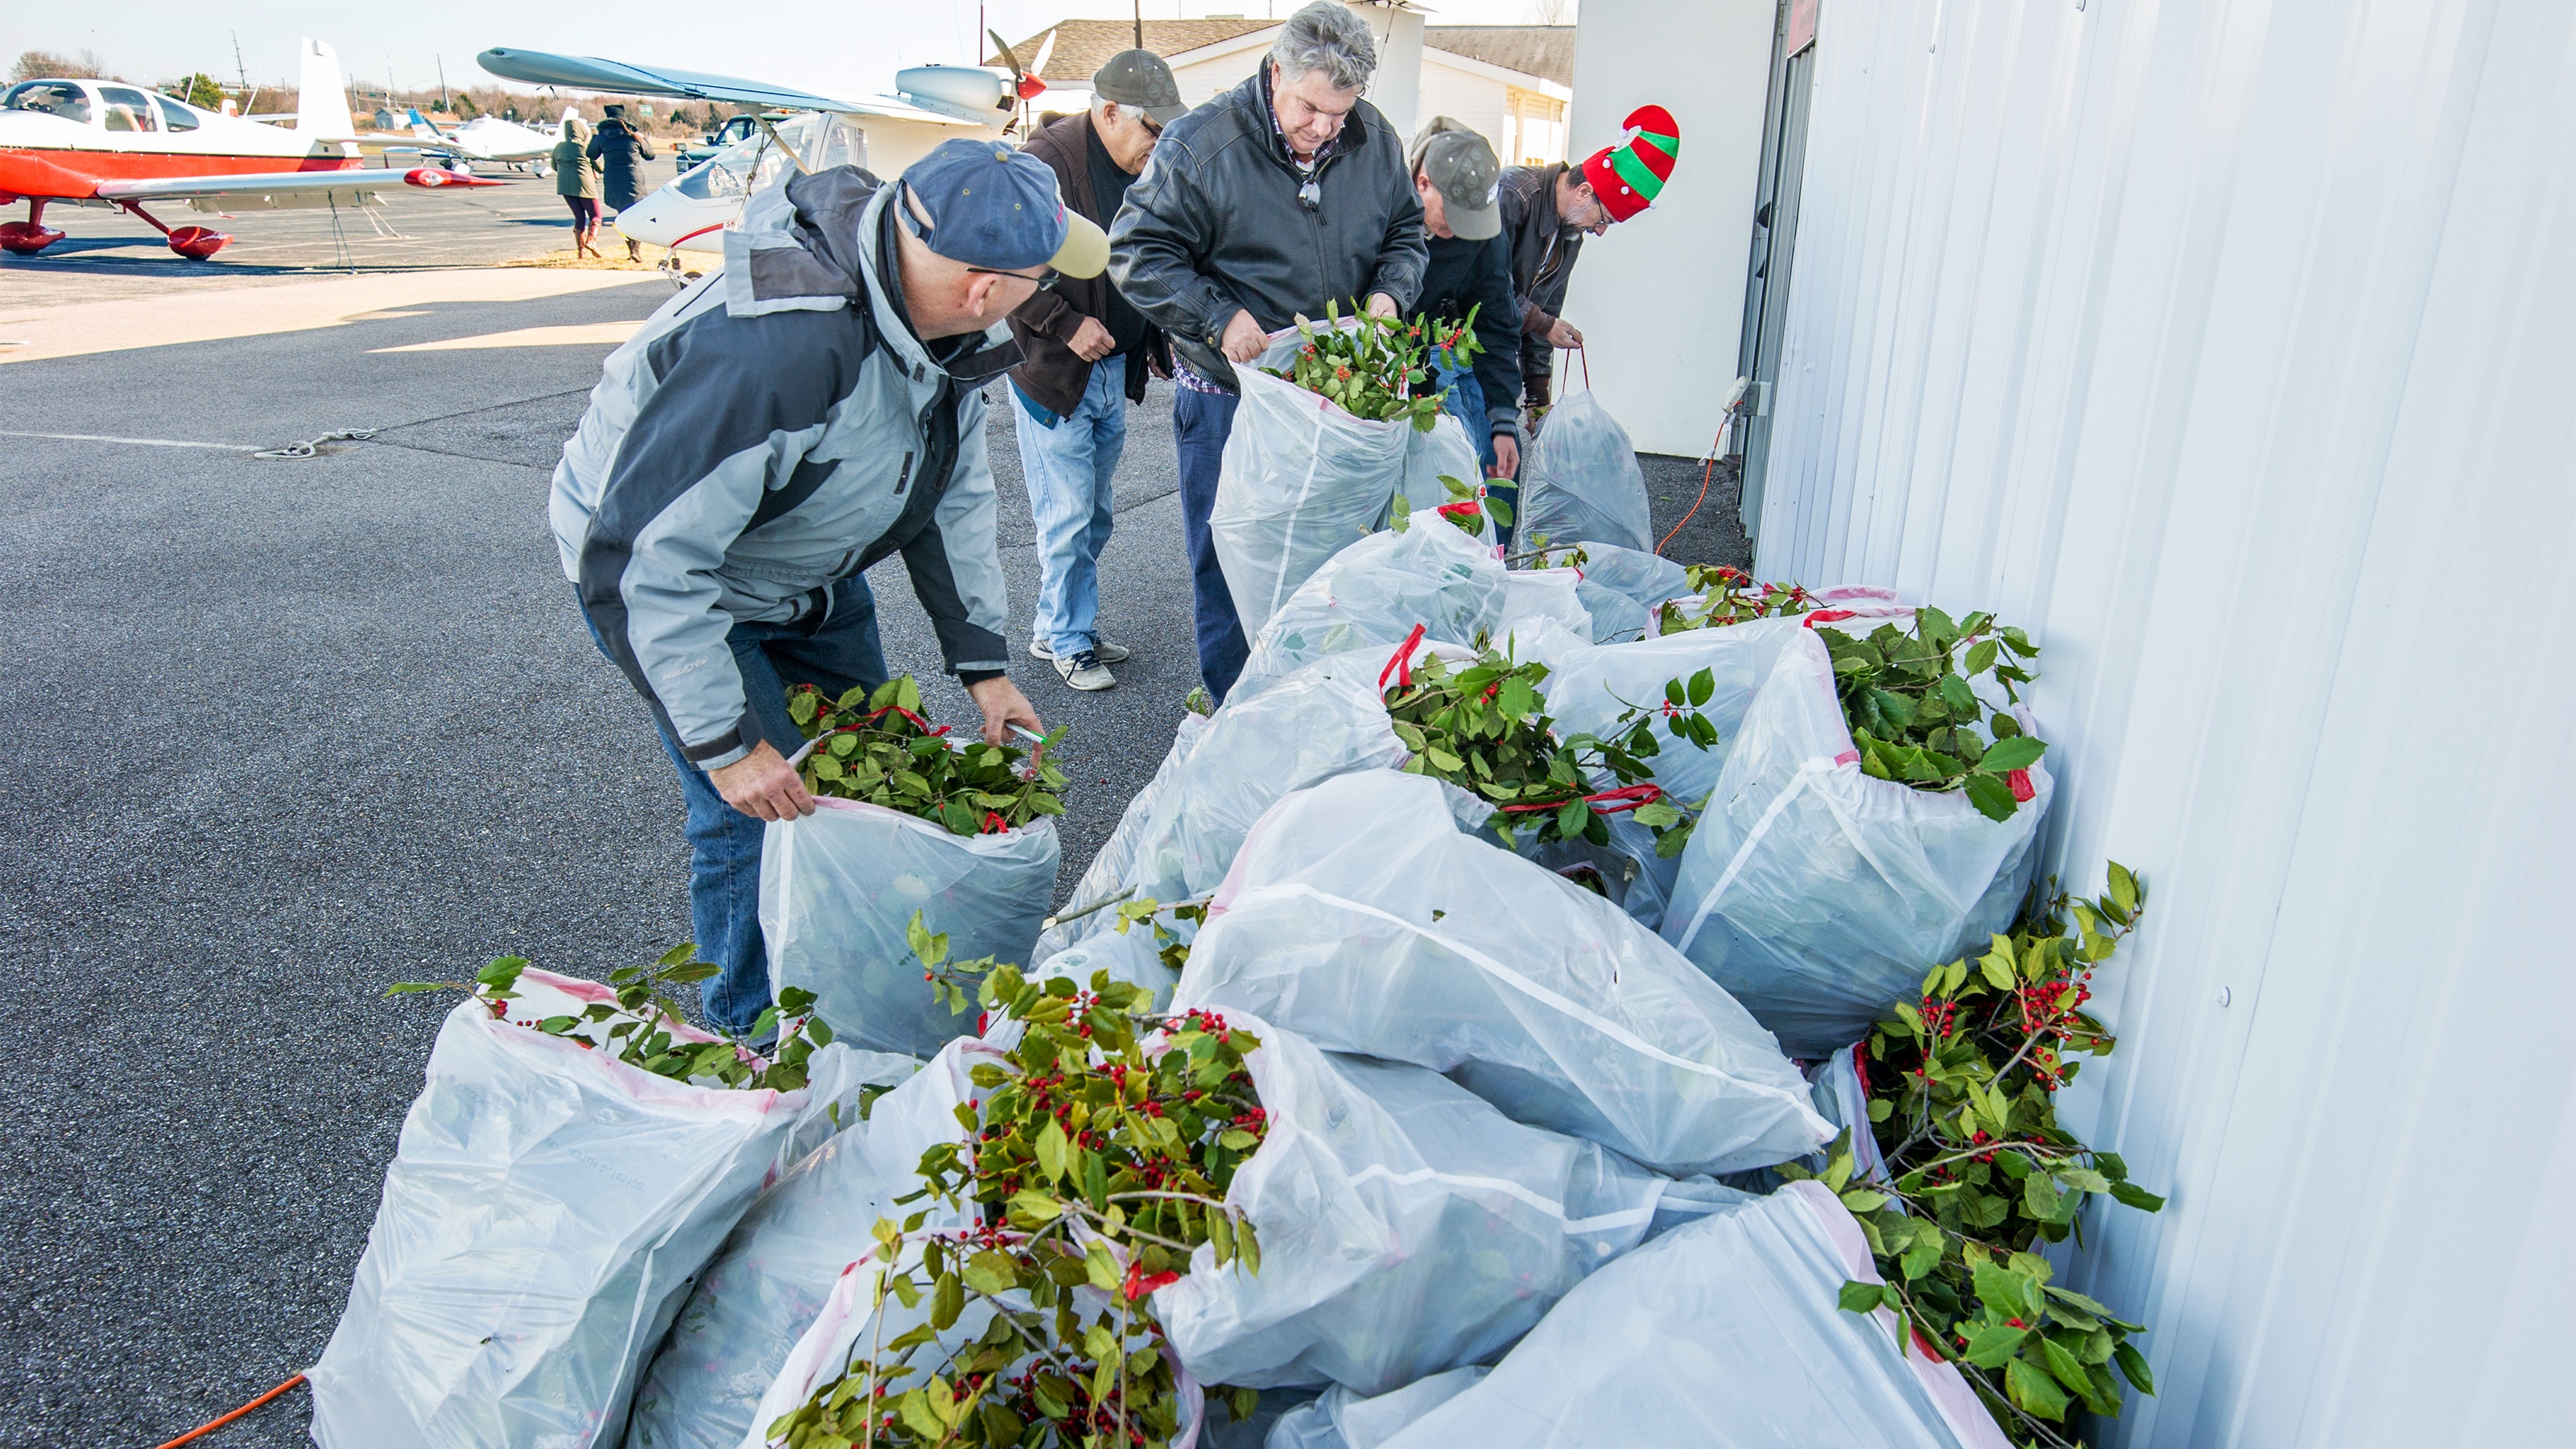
column 1879, row 809
column 909, row 824
column 779, row 1266
column 1360, row 917
column 1319, row 449
column 577, row 1155
column 1375, row 592
column 1718, row 597
column 1008, row 1298
column 1443, row 472
column 1580, row 480
column 1726, row 1330
column 1405, row 1226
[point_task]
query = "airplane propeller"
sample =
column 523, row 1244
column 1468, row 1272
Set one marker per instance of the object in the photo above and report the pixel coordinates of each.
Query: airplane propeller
column 1026, row 85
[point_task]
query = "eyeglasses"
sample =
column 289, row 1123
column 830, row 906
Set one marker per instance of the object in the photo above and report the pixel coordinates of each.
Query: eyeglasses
column 1045, row 283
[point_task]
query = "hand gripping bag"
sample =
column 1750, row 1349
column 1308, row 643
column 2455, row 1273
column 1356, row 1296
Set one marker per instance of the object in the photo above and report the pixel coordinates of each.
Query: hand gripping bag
column 1815, row 894
column 1301, row 480
column 1359, row 916
column 544, row 1213
column 1405, row 1227
column 1113, row 866
column 1580, row 481
column 1374, row 593
column 1724, row 1333
column 839, row 887
column 778, row 1267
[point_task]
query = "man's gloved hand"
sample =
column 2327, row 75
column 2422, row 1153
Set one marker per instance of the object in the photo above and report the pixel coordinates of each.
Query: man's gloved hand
column 763, row 786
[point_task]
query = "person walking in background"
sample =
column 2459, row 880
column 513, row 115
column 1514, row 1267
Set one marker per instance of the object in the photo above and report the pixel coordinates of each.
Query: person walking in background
column 763, row 440
column 1261, row 206
column 1087, row 355
column 1469, row 270
column 577, row 182
column 621, row 151
column 1548, row 210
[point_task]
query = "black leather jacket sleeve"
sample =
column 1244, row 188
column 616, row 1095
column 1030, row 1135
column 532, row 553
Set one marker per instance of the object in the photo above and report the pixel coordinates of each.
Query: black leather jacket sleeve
column 1154, row 244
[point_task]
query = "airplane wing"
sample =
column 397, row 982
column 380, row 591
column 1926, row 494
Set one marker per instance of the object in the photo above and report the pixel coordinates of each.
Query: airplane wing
column 589, row 72
column 280, row 183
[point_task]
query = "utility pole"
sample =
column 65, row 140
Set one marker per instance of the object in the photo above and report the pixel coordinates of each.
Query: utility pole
column 243, row 71
column 1140, row 24
column 442, row 84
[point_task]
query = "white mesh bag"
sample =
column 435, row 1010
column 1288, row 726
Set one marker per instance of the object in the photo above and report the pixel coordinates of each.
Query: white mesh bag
column 544, row 1213
column 1405, row 1227
column 1815, row 894
column 1358, row 915
column 1374, row 593
column 838, row 889
column 1724, row 1333
column 774, row 1273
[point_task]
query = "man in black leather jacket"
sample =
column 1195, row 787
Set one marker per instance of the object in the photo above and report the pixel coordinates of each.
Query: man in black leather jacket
column 1281, row 195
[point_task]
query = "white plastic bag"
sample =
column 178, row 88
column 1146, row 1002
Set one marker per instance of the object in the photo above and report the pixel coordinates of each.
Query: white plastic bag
column 1647, row 578
column 1580, row 481
column 752, row 1303
column 544, row 1213
column 1359, row 916
column 1113, row 866
column 1725, row 1333
column 1405, row 1227
column 1547, row 594
column 1445, row 451
column 839, row 887
column 1374, row 593
column 1301, row 480
column 1341, row 1419
column 1816, row 895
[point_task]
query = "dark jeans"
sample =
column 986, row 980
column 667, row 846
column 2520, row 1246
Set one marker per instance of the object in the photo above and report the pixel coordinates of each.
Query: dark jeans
column 1465, row 401
column 1200, row 423
column 724, row 843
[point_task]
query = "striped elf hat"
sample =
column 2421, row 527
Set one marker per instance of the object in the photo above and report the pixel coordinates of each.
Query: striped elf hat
column 1629, row 175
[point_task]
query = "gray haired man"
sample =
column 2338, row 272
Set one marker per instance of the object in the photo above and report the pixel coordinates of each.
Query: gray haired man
column 1283, row 194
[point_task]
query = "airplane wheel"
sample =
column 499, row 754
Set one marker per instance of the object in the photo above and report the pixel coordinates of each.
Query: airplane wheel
column 27, row 238
column 197, row 243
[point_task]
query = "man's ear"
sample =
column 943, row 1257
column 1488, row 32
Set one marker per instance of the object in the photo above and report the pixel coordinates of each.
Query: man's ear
column 979, row 291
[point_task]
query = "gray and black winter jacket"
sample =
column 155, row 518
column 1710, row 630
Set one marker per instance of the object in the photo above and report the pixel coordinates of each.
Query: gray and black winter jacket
column 1213, row 225
column 773, row 429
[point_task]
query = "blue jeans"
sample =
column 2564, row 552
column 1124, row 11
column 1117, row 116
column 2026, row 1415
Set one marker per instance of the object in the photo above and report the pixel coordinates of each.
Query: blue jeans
column 724, row 843
column 1200, row 423
column 1067, row 463
column 1465, row 401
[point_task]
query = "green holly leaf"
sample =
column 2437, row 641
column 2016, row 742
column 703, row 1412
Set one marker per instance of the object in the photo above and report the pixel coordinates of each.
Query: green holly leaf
column 2132, row 1195
column 1862, row 1297
column 2133, row 1367
column 2032, row 1391
column 2018, row 753
column 1992, row 797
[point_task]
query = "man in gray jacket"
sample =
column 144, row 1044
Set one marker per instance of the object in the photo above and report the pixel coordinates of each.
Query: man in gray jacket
column 1281, row 195
column 810, row 409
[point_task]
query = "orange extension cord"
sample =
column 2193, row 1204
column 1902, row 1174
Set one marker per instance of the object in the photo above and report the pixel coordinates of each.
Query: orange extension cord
column 1716, row 446
column 204, row 1429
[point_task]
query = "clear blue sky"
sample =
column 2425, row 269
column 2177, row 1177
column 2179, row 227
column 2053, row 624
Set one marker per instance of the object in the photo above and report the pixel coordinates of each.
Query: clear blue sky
column 843, row 48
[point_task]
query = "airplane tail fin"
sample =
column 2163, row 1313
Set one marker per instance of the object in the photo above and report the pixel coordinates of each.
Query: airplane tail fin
column 421, row 127
column 322, row 102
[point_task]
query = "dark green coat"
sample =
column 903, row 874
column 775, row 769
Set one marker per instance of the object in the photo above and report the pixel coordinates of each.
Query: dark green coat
column 575, row 175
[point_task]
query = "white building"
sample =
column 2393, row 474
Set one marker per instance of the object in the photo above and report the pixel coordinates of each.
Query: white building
column 2227, row 346
column 1511, row 83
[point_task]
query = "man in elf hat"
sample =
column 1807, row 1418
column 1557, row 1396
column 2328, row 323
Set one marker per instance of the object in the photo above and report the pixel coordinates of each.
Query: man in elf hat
column 1547, row 211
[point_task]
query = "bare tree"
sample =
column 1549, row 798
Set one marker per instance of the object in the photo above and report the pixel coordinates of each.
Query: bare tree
column 1552, row 12
column 38, row 64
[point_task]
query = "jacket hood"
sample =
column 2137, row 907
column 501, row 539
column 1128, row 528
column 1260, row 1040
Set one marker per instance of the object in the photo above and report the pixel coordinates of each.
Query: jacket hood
column 813, row 245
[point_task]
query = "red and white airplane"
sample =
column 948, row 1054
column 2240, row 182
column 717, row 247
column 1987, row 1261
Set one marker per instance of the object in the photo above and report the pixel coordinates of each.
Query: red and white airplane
column 105, row 143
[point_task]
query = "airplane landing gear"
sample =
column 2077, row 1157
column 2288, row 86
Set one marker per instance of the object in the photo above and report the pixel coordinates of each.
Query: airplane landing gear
column 196, row 243
column 26, row 238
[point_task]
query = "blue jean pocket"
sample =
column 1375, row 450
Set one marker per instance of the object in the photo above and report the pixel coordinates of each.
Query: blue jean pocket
column 1037, row 415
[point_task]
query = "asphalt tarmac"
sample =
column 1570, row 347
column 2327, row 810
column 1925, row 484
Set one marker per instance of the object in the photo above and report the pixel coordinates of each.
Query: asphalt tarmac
column 280, row 733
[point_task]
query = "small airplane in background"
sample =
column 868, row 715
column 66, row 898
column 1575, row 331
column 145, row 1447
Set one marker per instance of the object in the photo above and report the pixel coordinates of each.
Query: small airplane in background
column 488, row 138
column 102, row 143
column 931, row 104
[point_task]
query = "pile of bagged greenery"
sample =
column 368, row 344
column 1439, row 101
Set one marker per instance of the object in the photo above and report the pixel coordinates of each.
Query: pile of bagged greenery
column 1908, row 695
column 1100, row 1162
column 1962, row 1087
column 877, row 747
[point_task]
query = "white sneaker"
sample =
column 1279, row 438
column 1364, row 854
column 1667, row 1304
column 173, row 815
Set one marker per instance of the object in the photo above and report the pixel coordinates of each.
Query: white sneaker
column 1109, row 653
column 1084, row 671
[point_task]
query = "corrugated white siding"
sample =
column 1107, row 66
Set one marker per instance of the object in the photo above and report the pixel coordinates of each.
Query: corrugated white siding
column 2231, row 347
column 1477, row 100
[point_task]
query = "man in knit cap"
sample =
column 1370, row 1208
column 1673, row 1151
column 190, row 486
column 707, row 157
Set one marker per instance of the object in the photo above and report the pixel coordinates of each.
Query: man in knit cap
column 1548, row 210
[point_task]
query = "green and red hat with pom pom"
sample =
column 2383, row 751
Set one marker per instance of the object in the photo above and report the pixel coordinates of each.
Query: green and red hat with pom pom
column 1629, row 174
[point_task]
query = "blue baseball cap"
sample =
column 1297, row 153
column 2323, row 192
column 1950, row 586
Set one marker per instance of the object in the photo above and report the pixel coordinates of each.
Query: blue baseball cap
column 993, row 206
